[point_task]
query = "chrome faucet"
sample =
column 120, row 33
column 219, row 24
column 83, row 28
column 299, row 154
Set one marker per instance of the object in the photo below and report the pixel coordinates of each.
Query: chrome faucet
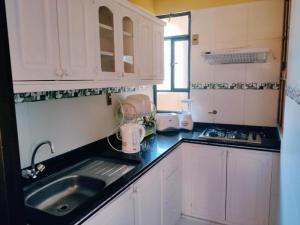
column 35, row 170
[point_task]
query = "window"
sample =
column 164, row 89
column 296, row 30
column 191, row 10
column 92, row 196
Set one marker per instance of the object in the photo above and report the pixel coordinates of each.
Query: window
column 175, row 87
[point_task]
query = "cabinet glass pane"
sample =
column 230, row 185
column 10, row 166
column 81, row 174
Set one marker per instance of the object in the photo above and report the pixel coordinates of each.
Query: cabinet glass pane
column 107, row 45
column 166, row 85
column 128, row 45
column 181, row 60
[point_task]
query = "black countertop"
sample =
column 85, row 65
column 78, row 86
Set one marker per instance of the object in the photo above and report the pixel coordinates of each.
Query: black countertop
column 153, row 149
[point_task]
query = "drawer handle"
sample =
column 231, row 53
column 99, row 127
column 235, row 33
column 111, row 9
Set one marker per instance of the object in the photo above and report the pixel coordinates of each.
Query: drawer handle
column 214, row 112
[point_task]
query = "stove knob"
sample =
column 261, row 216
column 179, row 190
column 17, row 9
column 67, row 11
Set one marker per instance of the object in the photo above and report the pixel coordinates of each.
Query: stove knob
column 254, row 134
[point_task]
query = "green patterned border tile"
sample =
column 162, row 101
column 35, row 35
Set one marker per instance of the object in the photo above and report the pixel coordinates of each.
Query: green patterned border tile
column 235, row 86
column 52, row 95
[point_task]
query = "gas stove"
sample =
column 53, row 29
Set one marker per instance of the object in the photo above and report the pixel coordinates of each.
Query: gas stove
column 231, row 135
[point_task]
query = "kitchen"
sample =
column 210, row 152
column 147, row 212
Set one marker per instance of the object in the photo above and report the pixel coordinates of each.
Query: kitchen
column 71, row 72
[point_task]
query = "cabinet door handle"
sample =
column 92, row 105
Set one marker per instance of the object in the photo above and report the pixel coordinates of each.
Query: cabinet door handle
column 59, row 72
column 214, row 112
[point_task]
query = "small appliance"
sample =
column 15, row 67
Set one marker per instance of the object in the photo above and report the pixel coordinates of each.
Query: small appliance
column 167, row 121
column 132, row 135
column 186, row 122
column 185, row 118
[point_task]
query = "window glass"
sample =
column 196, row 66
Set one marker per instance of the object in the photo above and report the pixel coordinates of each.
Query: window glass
column 170, row 101
column 181, row 64
column 166, row 85
column 176, row 26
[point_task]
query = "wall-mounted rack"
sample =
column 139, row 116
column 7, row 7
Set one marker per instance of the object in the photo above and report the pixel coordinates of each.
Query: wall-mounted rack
column 237, row 56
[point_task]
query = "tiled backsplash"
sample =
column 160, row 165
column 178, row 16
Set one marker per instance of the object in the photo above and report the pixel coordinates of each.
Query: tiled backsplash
column 51, row 95
column 293, row 93
column 235, row 86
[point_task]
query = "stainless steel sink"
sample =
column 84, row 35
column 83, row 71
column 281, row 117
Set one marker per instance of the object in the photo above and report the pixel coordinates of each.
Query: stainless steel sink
column 72, row 187
column 65, row 194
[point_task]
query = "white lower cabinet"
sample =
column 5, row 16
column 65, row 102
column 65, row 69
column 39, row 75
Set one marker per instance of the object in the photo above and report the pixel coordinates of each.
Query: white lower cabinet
column 206, row 189
column 223, row 185
column 148, row 197
column 172, row 188
column 119, row 212
column 248, row 190
column 155, row 199
column 226, row 185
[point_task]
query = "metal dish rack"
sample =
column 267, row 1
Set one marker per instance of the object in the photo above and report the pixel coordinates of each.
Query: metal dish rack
column 237, row 56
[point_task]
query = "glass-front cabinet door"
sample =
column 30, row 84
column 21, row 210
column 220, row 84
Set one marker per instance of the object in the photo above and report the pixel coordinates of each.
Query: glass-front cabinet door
column 109, row 56
column 129, row 37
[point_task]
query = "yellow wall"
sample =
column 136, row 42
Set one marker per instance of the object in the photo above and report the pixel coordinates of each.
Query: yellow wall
column 161, row 7
column 145, row 4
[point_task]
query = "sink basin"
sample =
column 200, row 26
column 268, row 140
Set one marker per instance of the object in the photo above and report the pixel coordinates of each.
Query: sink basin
column 63, row 195
column 67, row 190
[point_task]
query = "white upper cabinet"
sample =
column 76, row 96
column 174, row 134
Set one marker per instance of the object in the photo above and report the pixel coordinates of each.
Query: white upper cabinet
column 77, row 44
column 145, row 48
column 108, row 48
column 108, row 43
column 130, row 44
column 158, row 52
column 33, row 39
column 249, row 185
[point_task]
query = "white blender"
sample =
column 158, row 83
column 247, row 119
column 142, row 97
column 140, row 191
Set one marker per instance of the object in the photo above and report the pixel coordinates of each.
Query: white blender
column 185, row 118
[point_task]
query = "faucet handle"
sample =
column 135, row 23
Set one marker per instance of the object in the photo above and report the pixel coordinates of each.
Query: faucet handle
column 27, row 173
column 40, row 168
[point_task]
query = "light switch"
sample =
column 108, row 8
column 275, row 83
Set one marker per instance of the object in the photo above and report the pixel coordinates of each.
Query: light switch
column 195, row 39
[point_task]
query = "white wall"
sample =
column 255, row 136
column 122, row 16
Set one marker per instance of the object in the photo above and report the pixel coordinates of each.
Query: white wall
column 290, row 153
column 250, row 25
column 68, row 123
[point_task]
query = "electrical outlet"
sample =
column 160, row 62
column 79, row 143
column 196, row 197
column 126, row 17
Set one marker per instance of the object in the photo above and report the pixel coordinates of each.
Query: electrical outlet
column 108, row 99
column 195, row 39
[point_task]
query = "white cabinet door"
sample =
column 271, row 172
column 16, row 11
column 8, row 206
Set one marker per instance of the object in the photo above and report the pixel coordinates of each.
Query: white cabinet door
column 145, row 62
column 119, row 212
column 148, row 192
column 158, row 52
column 130, row 26
column 249, row 183
column 172, row 187
column 207, row 188
column 33, row 39
column 107, row 27
column 77, row 44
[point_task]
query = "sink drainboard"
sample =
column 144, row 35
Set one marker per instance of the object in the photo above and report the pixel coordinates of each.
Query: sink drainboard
column 105, row 170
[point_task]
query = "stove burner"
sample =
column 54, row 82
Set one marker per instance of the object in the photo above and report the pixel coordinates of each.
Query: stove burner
column 238, row 134
column 218, row 133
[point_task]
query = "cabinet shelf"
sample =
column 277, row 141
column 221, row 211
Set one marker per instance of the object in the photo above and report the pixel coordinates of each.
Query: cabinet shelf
column 107, row 53
column 127, row 34
column 106, row 27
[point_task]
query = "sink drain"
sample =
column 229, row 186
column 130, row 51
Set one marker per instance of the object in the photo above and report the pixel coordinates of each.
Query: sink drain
column 63, row 208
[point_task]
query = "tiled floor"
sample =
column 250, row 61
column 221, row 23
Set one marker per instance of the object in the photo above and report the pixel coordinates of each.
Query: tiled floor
column 187, row 221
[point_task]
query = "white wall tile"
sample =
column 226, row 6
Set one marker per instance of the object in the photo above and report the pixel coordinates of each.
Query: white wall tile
column 261, row 107
column 250, row 25
column 203, row 102
column 265, row 19
column 68, row 123
column 230, row 73
column 231, row 23
column 201, row 71
column 203, row 24
column 230, row 106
